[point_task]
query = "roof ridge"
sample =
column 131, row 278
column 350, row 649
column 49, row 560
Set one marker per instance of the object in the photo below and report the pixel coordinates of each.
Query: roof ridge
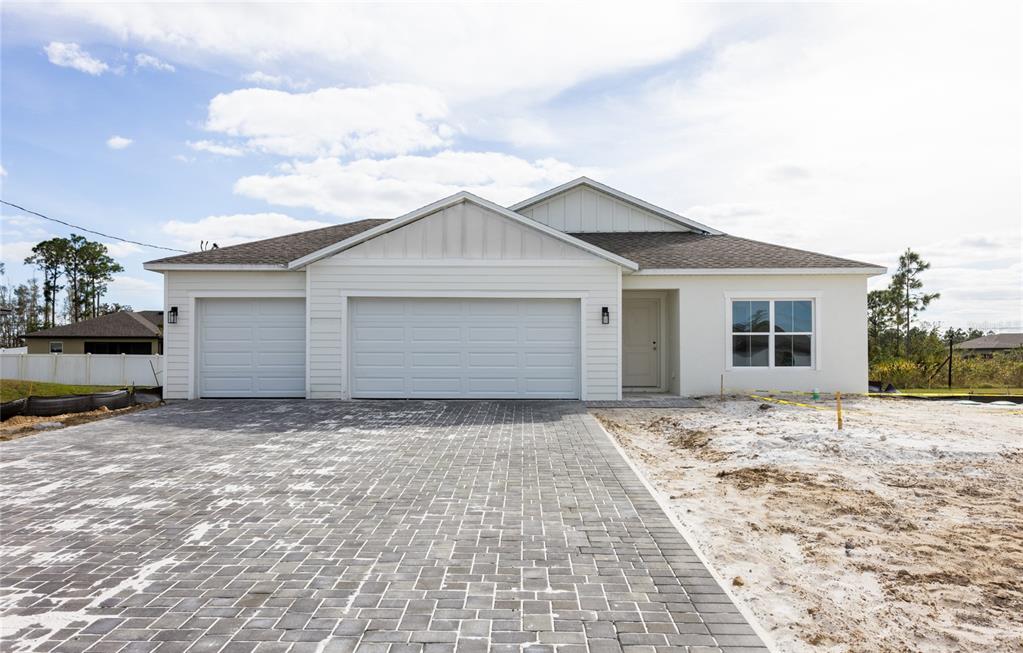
column 143, row 321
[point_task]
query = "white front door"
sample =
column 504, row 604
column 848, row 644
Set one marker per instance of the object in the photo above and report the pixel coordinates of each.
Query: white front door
column 251, row 347
column 478, row 348
column 641, row 342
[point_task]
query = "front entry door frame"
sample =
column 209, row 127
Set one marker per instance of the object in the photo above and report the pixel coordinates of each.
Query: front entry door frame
column 660, row 384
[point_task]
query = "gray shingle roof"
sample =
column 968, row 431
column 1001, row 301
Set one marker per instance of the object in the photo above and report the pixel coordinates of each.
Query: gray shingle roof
column 648, row 249
column 682, row 249
column 112, row 325
column 275, row 251
column 994, row 341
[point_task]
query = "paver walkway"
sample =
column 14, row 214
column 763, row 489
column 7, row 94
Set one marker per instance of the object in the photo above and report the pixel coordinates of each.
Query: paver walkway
column 325, row 527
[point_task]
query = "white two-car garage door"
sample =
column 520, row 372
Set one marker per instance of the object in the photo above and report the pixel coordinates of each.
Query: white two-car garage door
column 252, row 347
column 481, row 348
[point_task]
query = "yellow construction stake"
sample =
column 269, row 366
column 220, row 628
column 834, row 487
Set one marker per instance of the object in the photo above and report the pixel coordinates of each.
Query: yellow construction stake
column 838, row 408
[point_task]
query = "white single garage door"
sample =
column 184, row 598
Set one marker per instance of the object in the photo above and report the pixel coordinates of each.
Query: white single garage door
column 251, row 347
column 449, row 348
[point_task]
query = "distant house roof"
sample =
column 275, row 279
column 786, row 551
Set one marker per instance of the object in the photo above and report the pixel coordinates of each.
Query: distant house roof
column 124, row 324
column 994, row 341
column 273, row 251
column 688, row 250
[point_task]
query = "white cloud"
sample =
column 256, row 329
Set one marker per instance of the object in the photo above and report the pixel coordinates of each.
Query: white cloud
column 389, row 187
column 118, row 142
column 214, row 148
column 143, row 60
column 127, row 284
column 118, row 249
column 464, row 50
column 3, row 171
column 387, row 119
column 71, row 55
column 275, row 81
column 233, row 229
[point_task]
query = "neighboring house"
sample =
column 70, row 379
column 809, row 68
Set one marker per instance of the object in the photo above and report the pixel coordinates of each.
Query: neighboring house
column 139, row 332
column 580, row 292
column 989, row 344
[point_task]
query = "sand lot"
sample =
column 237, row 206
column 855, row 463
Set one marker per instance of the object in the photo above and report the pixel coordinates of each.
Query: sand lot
column 902, row 532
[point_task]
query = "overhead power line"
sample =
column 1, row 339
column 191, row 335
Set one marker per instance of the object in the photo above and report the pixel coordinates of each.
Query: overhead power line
column 91, row 231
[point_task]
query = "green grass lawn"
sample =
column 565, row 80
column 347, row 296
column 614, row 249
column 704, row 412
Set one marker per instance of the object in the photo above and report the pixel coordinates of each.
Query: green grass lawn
column 961, row 391
column 10, row 390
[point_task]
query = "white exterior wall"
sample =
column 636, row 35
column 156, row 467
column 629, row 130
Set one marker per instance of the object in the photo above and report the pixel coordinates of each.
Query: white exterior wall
column 840, row 331
column 445, row 257
column 183, row 287
column 582, row 210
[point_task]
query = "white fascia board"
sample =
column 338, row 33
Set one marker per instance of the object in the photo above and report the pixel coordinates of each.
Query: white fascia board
column 440, row 205
column 166, row 267
column 869, row 271
column 625, row 197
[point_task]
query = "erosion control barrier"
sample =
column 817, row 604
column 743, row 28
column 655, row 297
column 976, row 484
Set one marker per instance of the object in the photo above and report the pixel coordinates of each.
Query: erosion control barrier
column 65, row 404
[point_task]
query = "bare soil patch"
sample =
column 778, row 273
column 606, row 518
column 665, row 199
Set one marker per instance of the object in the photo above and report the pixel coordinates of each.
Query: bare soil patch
column 902, row 532
column 20, row 426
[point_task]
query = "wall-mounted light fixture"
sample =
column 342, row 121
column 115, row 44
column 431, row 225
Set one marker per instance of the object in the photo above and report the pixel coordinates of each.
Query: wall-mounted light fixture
column 605, row 315
column 172, row 315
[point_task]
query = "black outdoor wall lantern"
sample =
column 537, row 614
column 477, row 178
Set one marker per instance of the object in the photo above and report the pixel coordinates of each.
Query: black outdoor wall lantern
column 172, row 315
column 605, row 315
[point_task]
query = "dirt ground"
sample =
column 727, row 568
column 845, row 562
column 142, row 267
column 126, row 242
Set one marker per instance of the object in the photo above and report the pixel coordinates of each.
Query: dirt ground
column 902, row 532
column 20, row 426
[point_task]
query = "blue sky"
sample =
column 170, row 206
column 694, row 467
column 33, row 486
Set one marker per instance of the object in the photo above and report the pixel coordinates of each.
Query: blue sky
column 852, row 130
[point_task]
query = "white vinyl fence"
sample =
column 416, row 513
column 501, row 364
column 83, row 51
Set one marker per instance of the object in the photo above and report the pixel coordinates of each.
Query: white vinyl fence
column 84, row 369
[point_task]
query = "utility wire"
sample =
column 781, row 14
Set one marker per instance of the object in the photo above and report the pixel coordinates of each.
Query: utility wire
column 74, row 226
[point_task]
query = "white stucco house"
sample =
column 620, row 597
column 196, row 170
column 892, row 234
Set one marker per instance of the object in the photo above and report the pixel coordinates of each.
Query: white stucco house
column 580, row 292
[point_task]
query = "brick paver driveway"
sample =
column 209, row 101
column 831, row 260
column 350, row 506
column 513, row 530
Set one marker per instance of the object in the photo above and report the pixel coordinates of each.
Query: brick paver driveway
column 330, row 526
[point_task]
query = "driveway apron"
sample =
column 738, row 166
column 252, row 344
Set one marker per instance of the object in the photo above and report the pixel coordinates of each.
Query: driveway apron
column 325, row 527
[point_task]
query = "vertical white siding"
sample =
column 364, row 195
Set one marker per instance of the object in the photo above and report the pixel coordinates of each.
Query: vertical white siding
column 466, row 231
column 841, row 327
column 583, row 209
column 180, row 286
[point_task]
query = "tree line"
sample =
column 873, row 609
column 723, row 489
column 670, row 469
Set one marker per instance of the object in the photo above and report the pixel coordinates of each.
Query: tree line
column 893, row 328
column 79, row 267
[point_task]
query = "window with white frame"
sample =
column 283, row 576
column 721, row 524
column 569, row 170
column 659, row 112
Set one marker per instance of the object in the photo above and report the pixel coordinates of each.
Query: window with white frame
column 56, row 347
column 772, row 332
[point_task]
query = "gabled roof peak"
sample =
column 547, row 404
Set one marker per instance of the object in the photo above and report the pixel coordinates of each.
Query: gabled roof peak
column 617, row 194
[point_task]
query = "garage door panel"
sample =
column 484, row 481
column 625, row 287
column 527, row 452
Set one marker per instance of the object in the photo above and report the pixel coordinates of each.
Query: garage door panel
column 552, row 335
column 379, row 334
column 228, row 359
column 554, row 359
column 494, row 334
column 494, row 359
column 490, row 309
column 228, row 384
column 436, row 334
column 436, row 385
column 436, row 359
column 547, row 385
column 436, row 308
column 488, row 385
column 379, row 359
column 478, row 348
column 251, row 347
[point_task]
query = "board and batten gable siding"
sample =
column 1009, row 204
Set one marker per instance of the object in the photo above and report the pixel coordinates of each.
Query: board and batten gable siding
column 840, row 327
column 476, row 253
column 466, row 231
column 584, row 210
column 182, row 286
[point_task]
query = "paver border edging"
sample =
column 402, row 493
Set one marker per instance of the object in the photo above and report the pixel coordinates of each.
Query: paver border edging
column 744, row 610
